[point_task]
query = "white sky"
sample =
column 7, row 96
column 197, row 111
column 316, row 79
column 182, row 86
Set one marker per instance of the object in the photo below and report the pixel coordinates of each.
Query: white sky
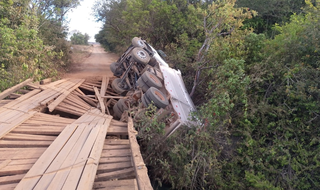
column 81, row 19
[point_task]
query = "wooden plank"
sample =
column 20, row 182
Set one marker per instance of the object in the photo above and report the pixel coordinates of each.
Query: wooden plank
column 112, row 184
column 20, row 153
column 45, row 81
column 103, row 168
column 39, row 168
column 32, row 177
column 140, row 168
column 11, row 179
column 116, row 153
column 114, row 160
column 116, row 141
column 103, row 108
column 117, row 131
column 22, row 144
column 89, row 172
column 13, row 89
column 22, row 161
column 8, row 186
column 5, row 129
column 27, row 137
column 57, row 101
column 66, row 158
column 13, row 170
column 116, row 147
column 119, row 174
column 76, row 171
column 105, row 82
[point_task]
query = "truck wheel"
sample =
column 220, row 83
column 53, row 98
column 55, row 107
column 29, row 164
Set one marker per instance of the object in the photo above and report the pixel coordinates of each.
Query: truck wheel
column 137, row 42
column 151, row 80
column 122, row 105
column 144, row 101
column 140, row 55
column 157, row 97
column 117, row 112
column 114, row 66
column 117, row 87
column 142, row 85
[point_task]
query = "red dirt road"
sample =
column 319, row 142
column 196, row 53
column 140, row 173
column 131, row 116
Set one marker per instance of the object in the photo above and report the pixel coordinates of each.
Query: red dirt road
column 97, row 64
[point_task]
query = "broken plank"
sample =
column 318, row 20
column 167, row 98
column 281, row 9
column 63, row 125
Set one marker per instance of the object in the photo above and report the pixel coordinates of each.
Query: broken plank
column 103, row 108
column 13, row 89
column 57, row 101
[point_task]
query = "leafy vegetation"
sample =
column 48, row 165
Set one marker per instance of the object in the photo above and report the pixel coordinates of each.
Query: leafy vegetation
column 32, row 38
column 79, row 39
column 258, row 96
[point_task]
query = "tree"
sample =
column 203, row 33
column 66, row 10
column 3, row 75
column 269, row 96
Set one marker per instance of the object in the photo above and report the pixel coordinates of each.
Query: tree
column 79, row 39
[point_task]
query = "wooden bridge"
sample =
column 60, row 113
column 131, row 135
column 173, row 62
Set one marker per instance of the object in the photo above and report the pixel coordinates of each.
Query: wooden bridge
column 61, row 135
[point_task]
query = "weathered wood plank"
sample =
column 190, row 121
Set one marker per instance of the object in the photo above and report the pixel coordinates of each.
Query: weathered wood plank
column 114, row 184
column 13, row 89
column 22, row 144
column 140, row 168
column 57, row 101
column 103, row 108
column 89, row 173
column 104, row 168
column 27, row 137
column 11, row 179
column 119, row 174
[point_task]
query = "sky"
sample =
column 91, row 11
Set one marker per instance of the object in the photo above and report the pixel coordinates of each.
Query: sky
column 81, row 19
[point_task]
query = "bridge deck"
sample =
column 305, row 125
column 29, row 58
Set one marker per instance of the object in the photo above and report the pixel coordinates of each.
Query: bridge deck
column 58, row 136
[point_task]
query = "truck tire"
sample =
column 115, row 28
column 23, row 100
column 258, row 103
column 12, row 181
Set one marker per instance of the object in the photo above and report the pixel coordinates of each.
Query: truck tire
column 142, row 85
column 157, row 97
column 114, row 66
column 137, row 42
column 140, row 55
column 122, row 105
column 116, row 112
column 117, row 87
column 144, row 101
column 151, row 80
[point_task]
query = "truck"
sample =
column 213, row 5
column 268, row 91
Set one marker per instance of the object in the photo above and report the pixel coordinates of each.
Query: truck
column 144, row 77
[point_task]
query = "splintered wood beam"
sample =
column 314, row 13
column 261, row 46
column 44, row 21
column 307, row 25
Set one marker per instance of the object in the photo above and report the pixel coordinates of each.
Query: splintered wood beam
column 104, row 85
column 57, row 101
column 14, row 88
column 140, row 168
column 103, row 108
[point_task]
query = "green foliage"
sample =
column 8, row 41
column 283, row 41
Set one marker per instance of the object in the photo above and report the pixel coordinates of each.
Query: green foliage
column 32, row 39
column 79, row 39
column 258, row 98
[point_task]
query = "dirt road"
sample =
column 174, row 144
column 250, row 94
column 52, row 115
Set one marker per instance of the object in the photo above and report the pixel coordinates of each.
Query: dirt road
column 97, row 64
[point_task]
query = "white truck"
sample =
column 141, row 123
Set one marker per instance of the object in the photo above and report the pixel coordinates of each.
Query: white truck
column 145, row 77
